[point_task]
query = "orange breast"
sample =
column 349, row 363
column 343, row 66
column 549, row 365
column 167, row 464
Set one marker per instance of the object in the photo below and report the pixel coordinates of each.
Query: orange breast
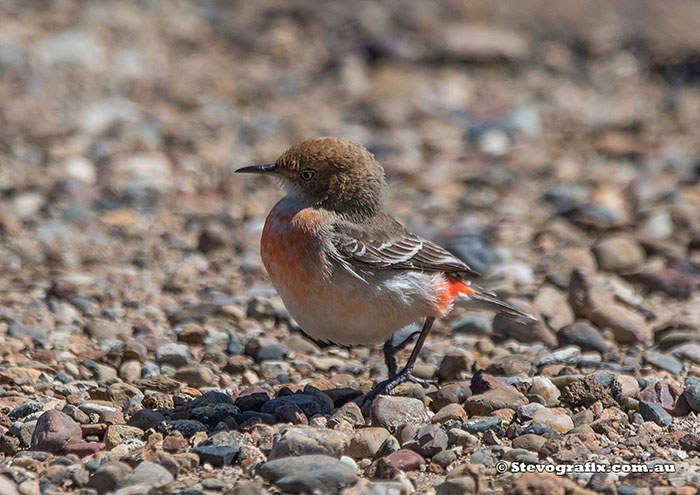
column 289, row 249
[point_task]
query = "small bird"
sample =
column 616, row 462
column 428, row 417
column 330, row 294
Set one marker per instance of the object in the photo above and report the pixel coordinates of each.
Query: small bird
column 348, row 272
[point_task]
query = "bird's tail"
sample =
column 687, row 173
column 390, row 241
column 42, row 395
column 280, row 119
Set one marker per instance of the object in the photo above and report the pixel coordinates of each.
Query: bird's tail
column 468, row 296
column 482, row 299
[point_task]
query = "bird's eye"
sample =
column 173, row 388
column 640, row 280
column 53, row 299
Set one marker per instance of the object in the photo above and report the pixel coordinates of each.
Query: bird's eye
column 307, row 174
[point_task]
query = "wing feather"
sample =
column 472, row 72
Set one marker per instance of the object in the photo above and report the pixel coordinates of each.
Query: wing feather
column 385, row 244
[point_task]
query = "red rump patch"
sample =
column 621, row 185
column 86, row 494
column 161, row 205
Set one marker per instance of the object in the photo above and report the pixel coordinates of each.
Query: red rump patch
column 448, row 289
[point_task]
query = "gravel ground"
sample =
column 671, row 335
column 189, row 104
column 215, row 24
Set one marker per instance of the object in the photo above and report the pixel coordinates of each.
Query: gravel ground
column 143, row 348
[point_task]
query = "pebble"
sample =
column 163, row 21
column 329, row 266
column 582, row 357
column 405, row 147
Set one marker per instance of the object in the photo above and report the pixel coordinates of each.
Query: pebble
column 452, row 393
column 147, row 472
column 456, row 486
column 544, row 387
column 451, row 412
column 691, row 392
column 309, row 474
column 492, row 400
column 391, row 412
column 428, row 441
column 554, row 417
column 405, row 460
column 461, row 438
column 118, row 434
column 454, row 364
column 663, row 361
column 619, row 254
column 173, row 354
column 305, row 440
column 108, row 476
column 531, row 442
column 627, row 326
column 478, row 425
column 566, row 355
column 54, row 431
column 583, row 335
column 311, row 405
column 652, row 411
column 366, row 442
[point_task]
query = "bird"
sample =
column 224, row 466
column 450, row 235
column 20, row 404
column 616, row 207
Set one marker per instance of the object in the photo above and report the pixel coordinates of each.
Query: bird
column 347, row 271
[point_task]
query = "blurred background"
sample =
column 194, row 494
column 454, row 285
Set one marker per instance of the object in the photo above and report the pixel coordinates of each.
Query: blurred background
column 515, row 133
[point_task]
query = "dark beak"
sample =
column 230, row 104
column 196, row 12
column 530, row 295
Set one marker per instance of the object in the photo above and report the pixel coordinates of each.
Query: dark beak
column 258, row 169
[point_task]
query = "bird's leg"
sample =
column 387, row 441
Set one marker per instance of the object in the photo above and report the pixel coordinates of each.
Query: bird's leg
column 390, row 357
column 405, row 374
column 390, row 351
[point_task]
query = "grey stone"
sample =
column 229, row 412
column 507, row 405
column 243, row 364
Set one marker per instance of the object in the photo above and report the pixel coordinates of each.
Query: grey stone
column 391, row 412
column 173, row 354
column 664, row 361
column 305, row 440
column 691, row 392
column 309, row 474
column 477, row 425
column 108, row 476
column 147, row 472
column 652, row 411
column 583, row 335
column 25, row 409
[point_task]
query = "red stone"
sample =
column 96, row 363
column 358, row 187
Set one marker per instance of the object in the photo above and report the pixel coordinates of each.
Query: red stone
column 405, row 460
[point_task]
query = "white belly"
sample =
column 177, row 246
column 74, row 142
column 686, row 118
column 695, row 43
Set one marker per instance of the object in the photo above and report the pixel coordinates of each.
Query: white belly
column 351, row 312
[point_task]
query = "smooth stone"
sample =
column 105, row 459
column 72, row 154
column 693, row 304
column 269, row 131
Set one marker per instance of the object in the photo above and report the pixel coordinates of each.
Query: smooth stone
column 391, row 412
column 529, row 442
column 478, row 425
column 428, row 441
column 405, row 460
column 652, row 411
column 617, row 253
column 108, row 476
column 305, row 440
column 147, row 472
column 173, row 354
column 554, row 417
column 691, row 391
column 366, row 442
column 544, row 387
column 664, row 361
column 54, row 430
column 628, row 326
column 492, row 400
column 451, row 412
column 583, row 335
column 309, row 474
column 566, row 355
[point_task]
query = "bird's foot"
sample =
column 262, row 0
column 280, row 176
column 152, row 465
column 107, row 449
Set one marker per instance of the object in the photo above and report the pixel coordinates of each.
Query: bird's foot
column 386, row 386
column 421, row 381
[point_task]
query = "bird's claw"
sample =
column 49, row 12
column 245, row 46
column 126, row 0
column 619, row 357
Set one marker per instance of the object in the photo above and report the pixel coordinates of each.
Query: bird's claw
column 386, row 386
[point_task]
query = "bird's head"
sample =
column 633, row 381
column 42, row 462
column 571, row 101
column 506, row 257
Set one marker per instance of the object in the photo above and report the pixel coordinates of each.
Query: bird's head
column 330, row 173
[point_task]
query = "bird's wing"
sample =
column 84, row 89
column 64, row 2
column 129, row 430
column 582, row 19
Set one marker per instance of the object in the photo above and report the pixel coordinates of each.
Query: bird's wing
column 384, row 244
